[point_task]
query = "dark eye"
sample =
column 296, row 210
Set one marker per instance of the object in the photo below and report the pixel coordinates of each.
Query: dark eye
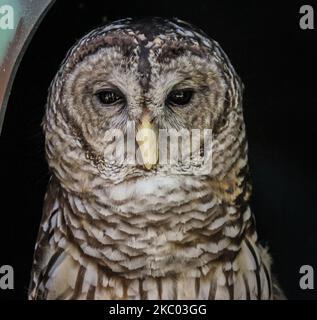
column 108, row 97
column 179, row 97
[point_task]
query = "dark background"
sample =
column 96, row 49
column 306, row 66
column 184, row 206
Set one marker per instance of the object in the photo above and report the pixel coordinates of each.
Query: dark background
column 277, row 63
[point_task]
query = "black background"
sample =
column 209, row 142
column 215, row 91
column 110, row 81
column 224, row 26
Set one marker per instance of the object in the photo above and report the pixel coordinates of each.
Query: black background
column 277, row 63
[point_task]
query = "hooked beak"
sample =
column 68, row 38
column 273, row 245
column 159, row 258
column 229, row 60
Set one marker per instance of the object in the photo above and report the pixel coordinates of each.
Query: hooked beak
column 146, row 138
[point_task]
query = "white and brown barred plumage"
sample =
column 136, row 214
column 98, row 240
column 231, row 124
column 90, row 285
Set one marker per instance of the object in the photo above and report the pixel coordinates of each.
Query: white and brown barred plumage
column 124, row 232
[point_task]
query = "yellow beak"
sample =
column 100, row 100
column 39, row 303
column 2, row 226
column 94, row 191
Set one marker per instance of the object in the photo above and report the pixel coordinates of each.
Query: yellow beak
column 146, row 138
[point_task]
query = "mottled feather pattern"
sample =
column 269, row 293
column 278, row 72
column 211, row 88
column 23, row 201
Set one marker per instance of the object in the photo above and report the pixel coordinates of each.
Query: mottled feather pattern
column 129, row 233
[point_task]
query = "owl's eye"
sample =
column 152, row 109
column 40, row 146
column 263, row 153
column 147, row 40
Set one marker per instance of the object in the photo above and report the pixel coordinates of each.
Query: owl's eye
column 108, row 97
column 179, row 97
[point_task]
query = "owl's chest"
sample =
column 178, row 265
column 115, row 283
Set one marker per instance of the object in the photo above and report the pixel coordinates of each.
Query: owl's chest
column 148, row 248
column 158, row 194
column 158, row 225
column 150, row 227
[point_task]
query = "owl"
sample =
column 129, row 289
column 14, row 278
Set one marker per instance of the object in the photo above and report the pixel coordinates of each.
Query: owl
column 147, row 229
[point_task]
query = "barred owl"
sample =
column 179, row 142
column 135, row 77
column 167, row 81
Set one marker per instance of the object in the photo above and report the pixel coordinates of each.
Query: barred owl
column 115, row 230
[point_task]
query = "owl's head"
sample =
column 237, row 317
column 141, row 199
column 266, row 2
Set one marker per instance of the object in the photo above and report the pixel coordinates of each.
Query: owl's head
column 152, row 74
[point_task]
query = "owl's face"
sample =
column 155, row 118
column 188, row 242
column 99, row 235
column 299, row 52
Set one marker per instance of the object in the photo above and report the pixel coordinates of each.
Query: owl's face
column 159, row 73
